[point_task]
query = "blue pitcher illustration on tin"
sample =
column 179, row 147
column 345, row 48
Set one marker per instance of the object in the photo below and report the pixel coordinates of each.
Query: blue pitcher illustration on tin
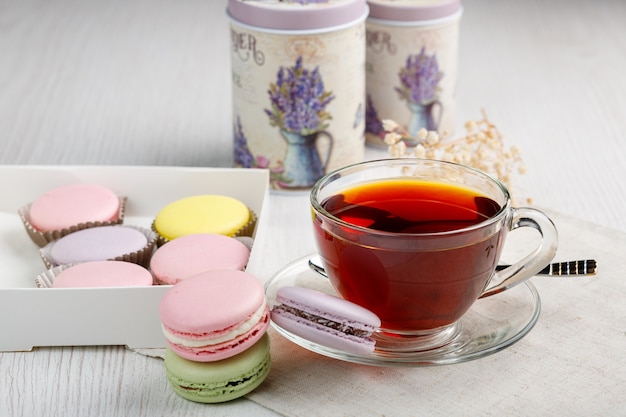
column 423, row 116
column 298, row 108
column 303, row 163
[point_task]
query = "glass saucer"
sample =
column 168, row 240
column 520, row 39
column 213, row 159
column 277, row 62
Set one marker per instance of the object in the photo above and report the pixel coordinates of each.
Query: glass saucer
column 492, row 323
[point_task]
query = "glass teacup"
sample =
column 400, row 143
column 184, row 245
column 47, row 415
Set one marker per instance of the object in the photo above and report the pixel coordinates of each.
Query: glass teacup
column 418, row 241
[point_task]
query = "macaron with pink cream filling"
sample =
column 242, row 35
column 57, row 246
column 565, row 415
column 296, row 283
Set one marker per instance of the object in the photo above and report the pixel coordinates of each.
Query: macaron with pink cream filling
column 214, row 315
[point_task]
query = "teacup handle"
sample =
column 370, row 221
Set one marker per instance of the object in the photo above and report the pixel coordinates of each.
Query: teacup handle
column 535, row 261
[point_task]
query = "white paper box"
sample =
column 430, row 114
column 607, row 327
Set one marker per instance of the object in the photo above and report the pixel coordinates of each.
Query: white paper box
column 31, row 316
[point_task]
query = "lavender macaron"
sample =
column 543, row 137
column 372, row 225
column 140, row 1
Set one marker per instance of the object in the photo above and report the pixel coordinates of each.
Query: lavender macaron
column 326, row 320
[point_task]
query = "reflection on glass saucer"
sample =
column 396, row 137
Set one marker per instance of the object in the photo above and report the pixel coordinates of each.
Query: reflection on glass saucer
column 492, row 324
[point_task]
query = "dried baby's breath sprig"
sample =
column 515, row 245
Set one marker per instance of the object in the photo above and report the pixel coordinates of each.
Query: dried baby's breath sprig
column 482, row 147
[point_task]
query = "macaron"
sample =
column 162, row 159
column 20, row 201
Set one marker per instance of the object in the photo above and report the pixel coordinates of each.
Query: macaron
column 214, row 315
column 69, row 208
column 127, row 243
column 192, row 254
column 69, row 205
column 326, row 320
column 225, row 380
column 202, row 214
column 103, row 274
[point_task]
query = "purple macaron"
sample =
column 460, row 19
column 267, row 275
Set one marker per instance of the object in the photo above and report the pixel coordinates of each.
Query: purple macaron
column 326, row 320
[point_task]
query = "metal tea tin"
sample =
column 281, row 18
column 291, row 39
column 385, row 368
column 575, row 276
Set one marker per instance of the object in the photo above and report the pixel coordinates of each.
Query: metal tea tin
column 298, row 70
column 412, row 54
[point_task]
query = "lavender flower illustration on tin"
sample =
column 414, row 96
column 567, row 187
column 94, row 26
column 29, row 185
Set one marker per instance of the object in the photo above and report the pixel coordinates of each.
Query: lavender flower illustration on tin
column 242, row 156
column 373, row 124
column 298, row 100
column 245, row 159
column 419, row 81
column 298, row 108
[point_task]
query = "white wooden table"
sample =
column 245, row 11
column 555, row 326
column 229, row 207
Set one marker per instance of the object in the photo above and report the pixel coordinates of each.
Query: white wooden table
column 148, row 82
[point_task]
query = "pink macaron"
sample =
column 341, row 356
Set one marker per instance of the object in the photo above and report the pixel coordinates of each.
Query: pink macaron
column 326, row 320
column 103, row 274
column 190, row 255
column 70, row 205
column 70, row 208
column 214, row 315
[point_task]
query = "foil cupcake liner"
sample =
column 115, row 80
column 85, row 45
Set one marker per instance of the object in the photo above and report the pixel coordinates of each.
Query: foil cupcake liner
column 46, row 279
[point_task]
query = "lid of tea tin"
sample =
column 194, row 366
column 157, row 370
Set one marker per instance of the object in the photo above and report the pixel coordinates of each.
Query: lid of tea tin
column 413, row 10
column 297, row 14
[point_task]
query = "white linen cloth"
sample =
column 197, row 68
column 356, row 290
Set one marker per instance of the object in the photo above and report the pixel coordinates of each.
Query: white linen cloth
column 520, row 380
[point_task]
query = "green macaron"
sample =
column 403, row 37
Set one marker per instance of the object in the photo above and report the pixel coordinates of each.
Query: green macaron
column 219, row 381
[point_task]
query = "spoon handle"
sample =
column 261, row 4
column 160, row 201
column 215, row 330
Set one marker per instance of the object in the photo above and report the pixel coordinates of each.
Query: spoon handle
column 559, row 269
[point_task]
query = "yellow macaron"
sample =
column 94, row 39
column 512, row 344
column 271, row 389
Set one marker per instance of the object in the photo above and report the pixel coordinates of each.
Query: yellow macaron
column 205, row 213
